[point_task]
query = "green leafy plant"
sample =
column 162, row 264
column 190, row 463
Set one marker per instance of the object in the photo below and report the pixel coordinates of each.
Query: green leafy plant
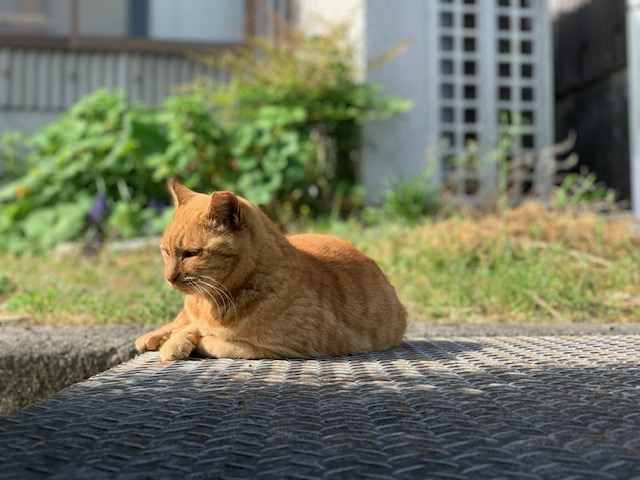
column 410, row 199
column 581, row 188
column 7, row 285
column 294, row 107
column 197, row 145
column 84, row 174
column 283, row 131
column 510, row 176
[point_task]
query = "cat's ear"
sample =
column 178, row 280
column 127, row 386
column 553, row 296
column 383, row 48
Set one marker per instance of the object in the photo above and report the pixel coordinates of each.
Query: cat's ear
column 180, row 193
column 224, row 210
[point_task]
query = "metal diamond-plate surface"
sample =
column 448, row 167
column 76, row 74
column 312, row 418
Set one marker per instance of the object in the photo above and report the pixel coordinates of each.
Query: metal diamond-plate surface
column 499, row 407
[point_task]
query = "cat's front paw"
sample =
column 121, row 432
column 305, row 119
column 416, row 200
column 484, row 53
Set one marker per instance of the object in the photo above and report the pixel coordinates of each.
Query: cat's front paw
column 177, row 348
column 152, row 340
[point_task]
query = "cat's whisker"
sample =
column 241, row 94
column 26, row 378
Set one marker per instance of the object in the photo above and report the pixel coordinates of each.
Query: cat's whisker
column 205, row 286
column 224, row 296
column 216, row 282
column 195, row 284
column 221, row 289
column 204, row 290
column 224, row 293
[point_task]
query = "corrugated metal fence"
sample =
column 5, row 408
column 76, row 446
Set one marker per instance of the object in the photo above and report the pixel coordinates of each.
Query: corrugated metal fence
column 51, row 80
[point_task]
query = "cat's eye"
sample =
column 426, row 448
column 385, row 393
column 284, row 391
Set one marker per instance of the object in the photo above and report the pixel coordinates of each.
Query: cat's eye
column 190, row 253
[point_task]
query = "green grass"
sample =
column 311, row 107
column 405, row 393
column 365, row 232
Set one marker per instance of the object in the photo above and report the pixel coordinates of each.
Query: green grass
column 527, row 266
column 123, row 287
column 445, row 281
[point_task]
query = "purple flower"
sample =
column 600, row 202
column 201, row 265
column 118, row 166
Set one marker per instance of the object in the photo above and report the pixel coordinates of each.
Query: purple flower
column 157, row 206
column 98, row 209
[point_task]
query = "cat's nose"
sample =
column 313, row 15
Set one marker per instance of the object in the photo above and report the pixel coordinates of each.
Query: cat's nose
column 172, row 277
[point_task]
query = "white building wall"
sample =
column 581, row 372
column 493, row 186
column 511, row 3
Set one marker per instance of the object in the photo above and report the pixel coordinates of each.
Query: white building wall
column 457, row 102
column 397, row 147
column 314, row 16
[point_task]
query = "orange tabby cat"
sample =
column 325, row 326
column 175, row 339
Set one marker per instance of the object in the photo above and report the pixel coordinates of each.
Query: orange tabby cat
column 251, row 292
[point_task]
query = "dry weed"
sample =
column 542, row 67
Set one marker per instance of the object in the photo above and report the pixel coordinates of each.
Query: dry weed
column 532, row 225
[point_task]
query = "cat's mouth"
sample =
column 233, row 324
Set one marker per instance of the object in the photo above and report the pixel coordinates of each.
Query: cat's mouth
column 185, row 286
column 208, row 287
column 194, row 286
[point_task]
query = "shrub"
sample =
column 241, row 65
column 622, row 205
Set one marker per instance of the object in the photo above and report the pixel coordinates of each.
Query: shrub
column 87, row 172
column 294, row 108
column 283, row 132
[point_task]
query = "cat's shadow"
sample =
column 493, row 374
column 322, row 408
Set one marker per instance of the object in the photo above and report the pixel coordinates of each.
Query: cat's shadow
column 410, row 350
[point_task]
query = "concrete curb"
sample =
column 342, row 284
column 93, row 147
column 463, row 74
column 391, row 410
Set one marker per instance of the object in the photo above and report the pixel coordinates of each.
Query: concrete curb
column 426, row 329
column 36, row 361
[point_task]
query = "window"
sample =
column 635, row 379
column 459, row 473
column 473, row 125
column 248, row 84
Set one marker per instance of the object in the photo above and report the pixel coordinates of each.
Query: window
column 469, row 20
column 446, row 43
column 470, row 137
column 528, row 141
column 504, row 46
column 504, row 93
column 526, row 47
column 527, row 117
column 447, row 115
column 446, row 90
column 122, row 23
column 194, row 20
column 470, row 68
column 470, row 92
column 526, row 24
column 449, row 138
column 446, row 19
column 469, row 115
column 20, row 17
column 504, row 22
column 446, row 67
column 469, row 44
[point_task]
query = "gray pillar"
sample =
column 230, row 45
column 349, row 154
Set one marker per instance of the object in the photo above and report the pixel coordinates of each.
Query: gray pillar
column 633, row 68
